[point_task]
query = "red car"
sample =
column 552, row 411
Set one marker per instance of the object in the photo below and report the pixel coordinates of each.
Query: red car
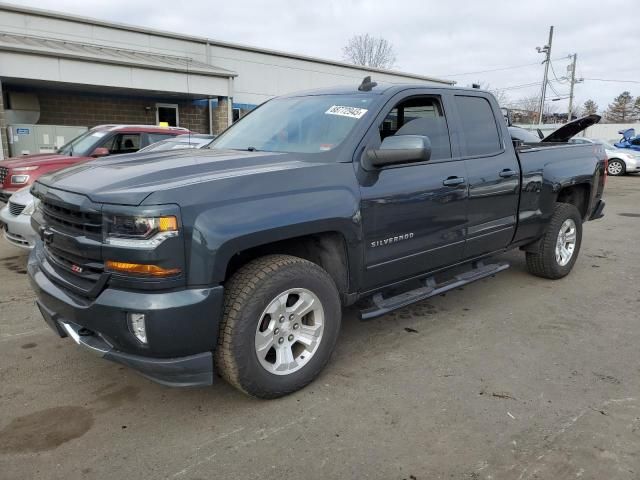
column 100, row 141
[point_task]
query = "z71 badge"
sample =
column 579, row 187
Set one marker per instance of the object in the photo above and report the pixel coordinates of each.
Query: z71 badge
column 388, row 241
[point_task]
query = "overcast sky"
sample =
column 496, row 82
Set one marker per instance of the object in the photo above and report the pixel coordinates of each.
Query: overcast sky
column 433, row 38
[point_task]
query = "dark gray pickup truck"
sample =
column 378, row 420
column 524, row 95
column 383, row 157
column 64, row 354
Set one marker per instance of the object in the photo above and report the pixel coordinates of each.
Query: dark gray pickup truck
column 238, row 258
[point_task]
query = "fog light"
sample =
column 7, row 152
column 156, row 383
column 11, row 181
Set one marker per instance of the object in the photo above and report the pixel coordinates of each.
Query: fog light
column 19, row 179
column 137, row 326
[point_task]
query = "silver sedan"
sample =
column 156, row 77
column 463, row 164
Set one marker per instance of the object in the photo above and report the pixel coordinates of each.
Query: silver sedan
column 15, row 218
column 620, row 160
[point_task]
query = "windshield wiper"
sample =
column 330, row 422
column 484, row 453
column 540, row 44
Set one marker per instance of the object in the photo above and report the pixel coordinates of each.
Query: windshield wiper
column 252, row 149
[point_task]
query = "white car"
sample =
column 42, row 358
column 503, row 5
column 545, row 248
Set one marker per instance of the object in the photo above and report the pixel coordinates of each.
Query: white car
column 15, row 218
column 620, row 160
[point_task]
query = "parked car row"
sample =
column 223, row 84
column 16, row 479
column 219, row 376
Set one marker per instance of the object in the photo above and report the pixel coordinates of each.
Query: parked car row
column 17, row 174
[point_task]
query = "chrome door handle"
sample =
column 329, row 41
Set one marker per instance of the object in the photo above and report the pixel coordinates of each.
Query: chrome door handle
column 507, row 173
column 453, row 181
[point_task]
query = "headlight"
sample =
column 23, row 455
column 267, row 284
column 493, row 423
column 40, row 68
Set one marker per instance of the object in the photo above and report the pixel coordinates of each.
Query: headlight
column 139, row 232
column 25, row 169
column 30, row 208
column 19, row 179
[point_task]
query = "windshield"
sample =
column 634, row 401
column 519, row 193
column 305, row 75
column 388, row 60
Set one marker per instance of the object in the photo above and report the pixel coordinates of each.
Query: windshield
column 83, row 145
column 175, row 144
column 301, row 124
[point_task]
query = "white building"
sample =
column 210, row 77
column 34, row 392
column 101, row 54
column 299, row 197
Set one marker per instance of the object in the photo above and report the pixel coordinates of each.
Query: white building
column 59, row 69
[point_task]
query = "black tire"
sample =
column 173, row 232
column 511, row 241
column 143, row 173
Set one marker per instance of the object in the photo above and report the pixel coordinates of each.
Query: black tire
column 247, row 294
column 542, row 262
column 621, row 170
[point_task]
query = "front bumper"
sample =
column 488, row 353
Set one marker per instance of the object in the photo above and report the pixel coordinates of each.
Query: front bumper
column 632, row 166
column 18, row 230
column 182, row 327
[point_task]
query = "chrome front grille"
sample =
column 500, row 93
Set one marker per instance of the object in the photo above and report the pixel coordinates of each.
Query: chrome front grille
column 3, row 174
column 15, row 209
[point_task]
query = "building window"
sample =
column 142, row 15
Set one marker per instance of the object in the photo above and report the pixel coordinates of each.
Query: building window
column 167, row 114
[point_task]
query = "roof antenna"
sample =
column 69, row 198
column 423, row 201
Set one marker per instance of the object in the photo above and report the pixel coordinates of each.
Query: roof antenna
column 367, row 84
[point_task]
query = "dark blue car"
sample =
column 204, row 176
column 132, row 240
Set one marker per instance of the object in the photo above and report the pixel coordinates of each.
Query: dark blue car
column 629, row 139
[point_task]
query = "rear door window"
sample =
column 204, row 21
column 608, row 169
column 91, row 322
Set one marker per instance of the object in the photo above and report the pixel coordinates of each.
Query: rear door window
column 480, row 135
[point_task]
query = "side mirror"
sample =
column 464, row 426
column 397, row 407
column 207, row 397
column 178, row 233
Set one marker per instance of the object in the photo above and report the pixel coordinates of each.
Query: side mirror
column 400, row 149
column 100, row 152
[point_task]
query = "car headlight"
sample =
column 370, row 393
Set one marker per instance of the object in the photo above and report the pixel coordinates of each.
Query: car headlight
column 31, row 207
column 139, row 232
column 25, row 169
column 19, row 179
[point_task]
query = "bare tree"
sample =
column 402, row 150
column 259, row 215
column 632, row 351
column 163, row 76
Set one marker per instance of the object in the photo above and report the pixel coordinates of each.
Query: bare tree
column 501, row 95
column 525, row 110
column 370, row 51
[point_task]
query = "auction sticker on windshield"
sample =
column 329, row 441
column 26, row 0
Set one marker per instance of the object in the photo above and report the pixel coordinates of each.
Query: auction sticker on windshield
column 351, row 112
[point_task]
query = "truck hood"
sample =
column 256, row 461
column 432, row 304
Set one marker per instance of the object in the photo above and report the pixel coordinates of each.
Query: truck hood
column 571, row 129
column 129, row 179
column 39, row 159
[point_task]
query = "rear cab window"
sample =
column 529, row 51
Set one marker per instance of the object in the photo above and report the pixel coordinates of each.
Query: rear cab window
column 479, row 130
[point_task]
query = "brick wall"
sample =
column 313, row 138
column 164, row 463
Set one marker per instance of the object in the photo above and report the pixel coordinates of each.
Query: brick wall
column 221, row 115
column 88, row 109
column 4, row 143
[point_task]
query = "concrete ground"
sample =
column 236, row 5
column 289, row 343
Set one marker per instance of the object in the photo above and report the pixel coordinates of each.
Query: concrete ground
column 513, row 377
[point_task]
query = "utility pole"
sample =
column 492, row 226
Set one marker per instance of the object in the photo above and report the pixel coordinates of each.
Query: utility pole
column 573, row 81
column 546, row 50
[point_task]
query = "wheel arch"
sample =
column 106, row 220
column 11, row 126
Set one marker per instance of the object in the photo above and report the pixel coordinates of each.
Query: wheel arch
column 327, row 249
column 578, row 195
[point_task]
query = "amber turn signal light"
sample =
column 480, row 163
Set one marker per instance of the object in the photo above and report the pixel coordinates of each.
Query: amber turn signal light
column 168, row 224
column 140, row 269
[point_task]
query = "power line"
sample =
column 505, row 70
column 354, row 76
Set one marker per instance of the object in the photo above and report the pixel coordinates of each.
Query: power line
column 516, row 87
column 556, row 76
column 614, row 81
column 493, row 69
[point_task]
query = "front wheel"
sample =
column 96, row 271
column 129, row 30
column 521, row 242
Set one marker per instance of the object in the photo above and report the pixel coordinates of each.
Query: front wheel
column 281, row 320
column 615, row 167
column 556, row 252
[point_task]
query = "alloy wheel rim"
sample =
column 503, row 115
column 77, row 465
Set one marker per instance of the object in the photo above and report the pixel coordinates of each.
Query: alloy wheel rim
column 615, row 168
column 289, row 331
column 566, row 242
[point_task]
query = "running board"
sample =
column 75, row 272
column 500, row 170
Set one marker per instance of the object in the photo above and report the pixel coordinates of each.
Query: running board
column 383, row 305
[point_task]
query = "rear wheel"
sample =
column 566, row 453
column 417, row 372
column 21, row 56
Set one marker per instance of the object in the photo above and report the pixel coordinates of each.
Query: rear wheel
column 281, row 321
column 556, row 252
column 615, row 167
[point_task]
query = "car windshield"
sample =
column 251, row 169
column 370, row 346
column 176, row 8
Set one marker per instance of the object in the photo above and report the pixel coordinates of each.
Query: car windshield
column 82, row 145
column 175, row 144
column 309, row 124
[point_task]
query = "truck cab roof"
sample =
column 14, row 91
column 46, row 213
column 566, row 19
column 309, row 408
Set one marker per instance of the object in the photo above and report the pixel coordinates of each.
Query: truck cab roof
column 381, row 88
